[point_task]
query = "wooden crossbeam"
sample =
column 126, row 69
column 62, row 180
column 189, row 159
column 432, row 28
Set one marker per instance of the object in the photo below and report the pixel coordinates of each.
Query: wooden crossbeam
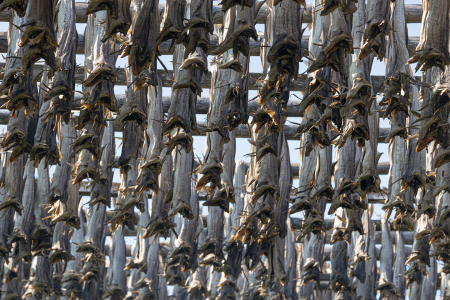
column 296, row 223
column 413, row 13
column 202, row 105
column 408, row 236
column 326, row 252
column 167, row 79
column 165, row 48
column 241, row 131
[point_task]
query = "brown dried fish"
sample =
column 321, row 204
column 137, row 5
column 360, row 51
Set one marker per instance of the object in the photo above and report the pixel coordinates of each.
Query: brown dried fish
column 144, row 38
column 39, row 35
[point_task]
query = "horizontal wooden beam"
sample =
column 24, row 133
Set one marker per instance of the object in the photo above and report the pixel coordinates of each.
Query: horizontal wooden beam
column 167, row 79
column 165, row 49
column 86, row 191
column 241, row 131
column 382, row 169
column 325, row 257
column 327, row 252
column 408, row 236
column 202, row 105
column 325, row 279
column 164, row 250
column 296, row 224
column 413, row 13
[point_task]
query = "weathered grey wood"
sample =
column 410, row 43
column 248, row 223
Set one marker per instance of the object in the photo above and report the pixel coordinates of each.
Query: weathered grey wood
column 413, row 13
column 242, row 132
column 202, row 107
column 406, row 250
column 165, row 49
column 296, row 222
column 297, row 85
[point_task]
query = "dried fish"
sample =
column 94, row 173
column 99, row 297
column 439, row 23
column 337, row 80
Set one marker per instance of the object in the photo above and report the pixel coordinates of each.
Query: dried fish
column 144, row 38
column 339, row 280
column 151, row 168
column 376, row 29
column 217, row 136
column 39, row 35
column 21, row 234
column 432, row 50
column 63, row 207
column 182, row 185
column 172, row 21
column 200, row 25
